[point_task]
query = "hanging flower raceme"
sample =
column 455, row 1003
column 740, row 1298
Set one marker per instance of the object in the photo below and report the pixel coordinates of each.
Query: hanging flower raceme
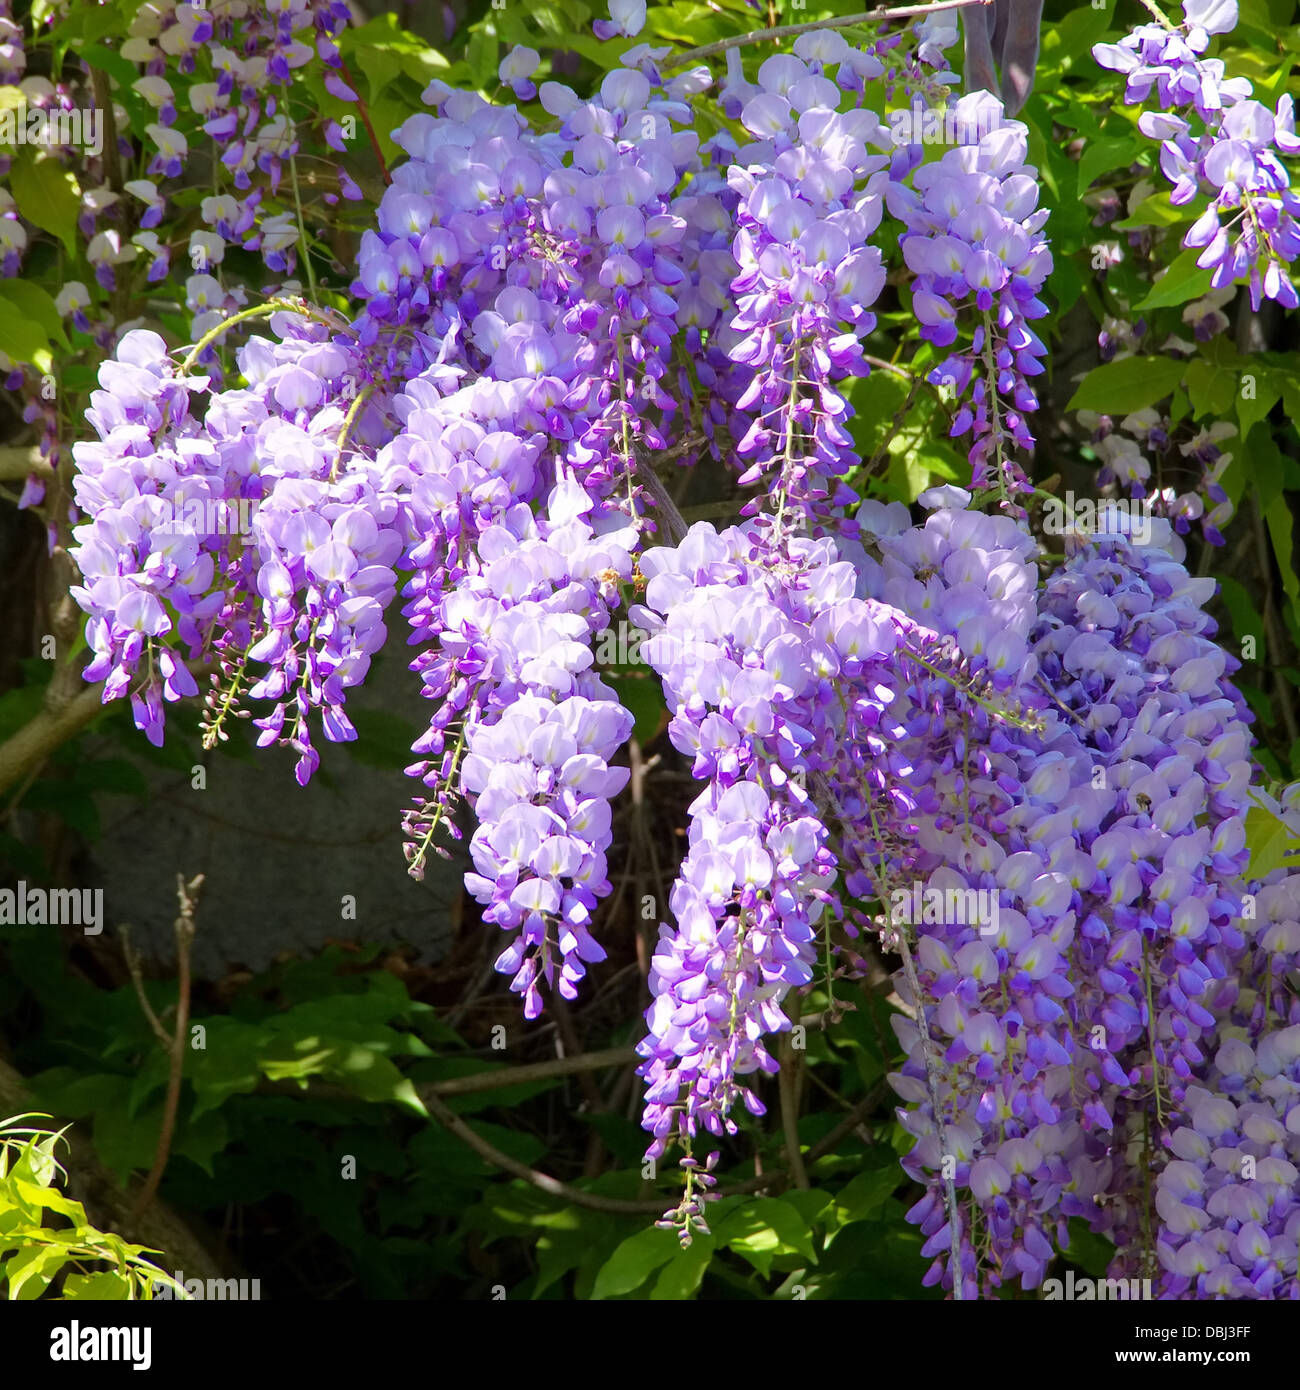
column 974, row 243
column 809, row 198
column 549, row 259
column 242, row 524
column 1217, row 140
column 748, row 641
column 504, row 603
column 972, row 861
column 540, row 736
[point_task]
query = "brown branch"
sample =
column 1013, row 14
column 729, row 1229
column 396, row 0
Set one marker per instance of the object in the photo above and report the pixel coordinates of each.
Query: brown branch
column 60, row 719
column 365, row 121
column 847, row 1125
column 137, row 979
column 554, row 1187
column 530, row 1071
column 39, row 737
column 666, row 507
column 187, row 894
column 17, row 463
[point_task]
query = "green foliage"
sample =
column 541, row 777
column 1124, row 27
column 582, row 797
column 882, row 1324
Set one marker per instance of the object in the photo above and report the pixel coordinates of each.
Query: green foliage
column 48, row 1247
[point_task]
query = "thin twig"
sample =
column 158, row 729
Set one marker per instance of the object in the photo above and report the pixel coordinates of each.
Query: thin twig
column 365, row 121
column 530, row 1071
column 666, row 507
column 787, row 1080
column 553, row 1186
column 573, row 1047
column 847, row 1125
column 137, row 979
column 188, row 894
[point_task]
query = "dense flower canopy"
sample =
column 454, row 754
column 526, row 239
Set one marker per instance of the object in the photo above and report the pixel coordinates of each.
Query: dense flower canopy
column 557, row 291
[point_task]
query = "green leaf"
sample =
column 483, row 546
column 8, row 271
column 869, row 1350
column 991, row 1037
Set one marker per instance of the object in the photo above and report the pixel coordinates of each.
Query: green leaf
column 1089, row 1251
column 762, row 1228
column 201, row 1139
column 867, row 1194
column 482, row 54
column 1074, row 35
column 1264, row 395
column 123, row 72
column 1155, row 211
column 1103, row 157
column 1121, row 387
column 1247, row 620
column 23, row 339
column 229, row 1063
column 1184, row 280
column 1277, row 516
column 35, row 302
column 682, row 1275
column 1211, row 387
column 642, row 696
column 372, row 1076
column 634, row 1261
column 94, row 22
column 29, row 1272
column 48, row 195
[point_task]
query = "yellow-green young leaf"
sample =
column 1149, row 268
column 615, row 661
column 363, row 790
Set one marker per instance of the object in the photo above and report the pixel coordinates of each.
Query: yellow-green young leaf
column 48, row 195
column 29, row 1272
column 34, row 301
column 1270, row 841
column 108, row 1286
column 11, row 98
column 22, row 339
column 46, row 1197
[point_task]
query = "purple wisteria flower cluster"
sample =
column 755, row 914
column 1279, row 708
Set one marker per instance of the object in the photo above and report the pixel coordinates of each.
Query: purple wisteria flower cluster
column 1126, row 448
column 547, row 259
column 1071, row 1026
column 1249, row 231
column 233, row 536
column 974, row 243
column 810, row 196
column 874, row 710
column 749, row 636
column 250, row 54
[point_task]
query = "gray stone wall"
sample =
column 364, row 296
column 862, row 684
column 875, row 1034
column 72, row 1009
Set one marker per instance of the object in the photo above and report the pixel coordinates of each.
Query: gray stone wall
column 278, row 858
